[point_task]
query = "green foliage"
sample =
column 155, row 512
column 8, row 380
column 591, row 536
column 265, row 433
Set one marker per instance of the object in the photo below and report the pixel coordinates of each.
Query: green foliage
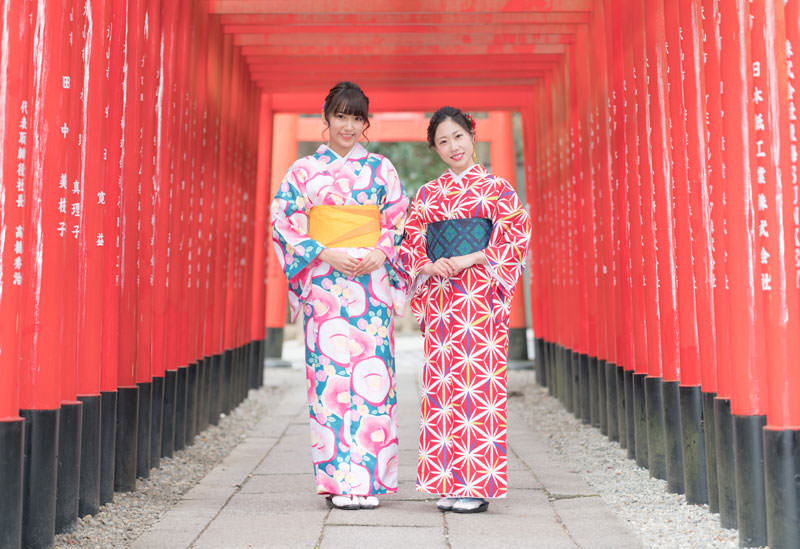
column 415, row 163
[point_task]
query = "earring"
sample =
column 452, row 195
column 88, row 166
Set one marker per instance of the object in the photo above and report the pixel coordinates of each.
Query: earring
column 474, row 156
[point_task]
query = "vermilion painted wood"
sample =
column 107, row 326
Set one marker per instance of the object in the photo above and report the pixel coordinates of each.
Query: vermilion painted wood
column 717, row 197
column 43, row 289
column 767, row 66
column 92, row 244
column 769, row 47
column 661, row 144
column 532, row 198
column 215, row 84
column 483, row 99
column 368, row 58
column 115, row 60
column 652, row 364
column 585, row 181
column 503, row 39
column 388, row 32
column 402, row 51
column 366, row 20
column 172, row 24
column 784, row 409
column 17, row 146
column 620, row 179
column 414, row 6
column 284, row 152
column 204, row 200
column 688, row 371
column 747, row 389
column 606, row 298
column 697, row 157
column 235, row 201
column 151, row 33
column 129, row 201
column 223, row 215
column 634, row 106
column 164, row 186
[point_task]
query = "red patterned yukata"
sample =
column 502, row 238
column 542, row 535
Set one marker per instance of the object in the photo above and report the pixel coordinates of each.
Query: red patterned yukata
column 464, row 320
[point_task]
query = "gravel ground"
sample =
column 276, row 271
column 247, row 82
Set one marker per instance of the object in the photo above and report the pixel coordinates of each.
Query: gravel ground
column 123, row 520
column 659, row 518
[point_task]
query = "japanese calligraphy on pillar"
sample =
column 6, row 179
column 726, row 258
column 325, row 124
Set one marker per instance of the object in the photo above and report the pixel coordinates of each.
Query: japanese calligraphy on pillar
column 22, row 155
column 792, row 39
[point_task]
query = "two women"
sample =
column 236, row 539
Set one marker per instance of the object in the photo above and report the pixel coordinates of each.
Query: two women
column 338, row 221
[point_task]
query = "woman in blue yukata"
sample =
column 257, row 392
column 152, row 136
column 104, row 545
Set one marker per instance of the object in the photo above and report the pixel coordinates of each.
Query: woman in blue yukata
column 337, row 221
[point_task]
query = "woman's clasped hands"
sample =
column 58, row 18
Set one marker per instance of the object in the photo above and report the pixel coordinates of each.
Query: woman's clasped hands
column 343, row 262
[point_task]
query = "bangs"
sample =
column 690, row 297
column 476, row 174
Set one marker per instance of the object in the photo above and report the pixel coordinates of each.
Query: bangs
column 350, row 102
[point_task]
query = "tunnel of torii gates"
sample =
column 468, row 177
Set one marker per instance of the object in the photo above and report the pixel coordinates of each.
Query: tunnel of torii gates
column 139, row 140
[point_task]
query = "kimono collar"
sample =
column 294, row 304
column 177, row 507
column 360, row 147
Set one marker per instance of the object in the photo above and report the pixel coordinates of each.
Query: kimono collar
column 457, row 177
column 334, row 162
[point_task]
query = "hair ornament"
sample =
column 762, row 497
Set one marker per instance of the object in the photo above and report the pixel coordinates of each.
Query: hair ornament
column 470, row 120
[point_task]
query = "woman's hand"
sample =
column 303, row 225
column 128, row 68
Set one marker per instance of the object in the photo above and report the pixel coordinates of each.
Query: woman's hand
column 450, row 267
column 444, row 267
column 340, row 260
column 370, row 262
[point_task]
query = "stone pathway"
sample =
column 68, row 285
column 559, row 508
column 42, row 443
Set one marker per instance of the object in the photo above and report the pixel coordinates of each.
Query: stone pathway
column 262, row 494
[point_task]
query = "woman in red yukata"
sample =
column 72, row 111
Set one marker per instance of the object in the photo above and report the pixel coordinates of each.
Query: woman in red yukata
column 465, row 246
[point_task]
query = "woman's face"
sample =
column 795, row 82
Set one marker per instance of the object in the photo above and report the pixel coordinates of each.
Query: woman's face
column 344, row 131
column 454, row 144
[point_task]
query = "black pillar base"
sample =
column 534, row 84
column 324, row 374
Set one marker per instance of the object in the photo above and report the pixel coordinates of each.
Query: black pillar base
column 630, row 414
column 612, row 408
column 89, row 498
column 782, row 487
column 12, row 449
column 168, row 413
column 261, row 350
column 566, row 378
column 517, row 344
column 39, row 477
column 541, row 376
column 575, row 368
column 602, row 396
column 201, row 412
column 622, row 414
column 179, row 441
column 584, row 389
column 273, row 343
column 205, row 419
column 594, row 400
column 143, row 430
column 711, row 451
column 68, row 479
column 191, row 403
column 726, row 469
column 214, row 381
column 656, row 442
column 751, row 507
column 695, row 484
column 639, row 407
column 225, row 381
column 127, row 434
column 156, row 420
column 672, row 435
column 108, row 444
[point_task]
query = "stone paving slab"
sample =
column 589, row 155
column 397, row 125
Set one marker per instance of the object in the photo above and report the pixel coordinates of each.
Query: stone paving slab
column 262, row 494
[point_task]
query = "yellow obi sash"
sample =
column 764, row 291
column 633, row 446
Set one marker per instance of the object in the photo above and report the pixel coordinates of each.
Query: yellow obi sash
column 345, row 226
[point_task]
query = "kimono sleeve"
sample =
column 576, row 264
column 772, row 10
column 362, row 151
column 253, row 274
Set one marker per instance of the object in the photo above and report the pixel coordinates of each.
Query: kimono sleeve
column 393, row 214
column 413, row 251
column 508, row 247
column 295, row 250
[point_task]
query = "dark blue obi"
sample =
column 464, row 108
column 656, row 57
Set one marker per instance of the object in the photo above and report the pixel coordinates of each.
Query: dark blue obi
column 454, row 237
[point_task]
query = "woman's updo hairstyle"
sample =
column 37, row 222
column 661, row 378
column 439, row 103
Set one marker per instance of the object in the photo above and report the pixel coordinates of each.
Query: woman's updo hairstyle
column 346, row 98
column 456, row 115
